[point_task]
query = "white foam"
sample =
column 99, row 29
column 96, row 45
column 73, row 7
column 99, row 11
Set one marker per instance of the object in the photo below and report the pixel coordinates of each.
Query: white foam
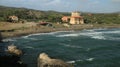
column 90, row 59
column 71, row 46
column 29, row 47
column 71, row 62
column 92, row 33
column 68, row 35
column 74, row 61
column 99, row 37
column 51, row 33
column 7, row 40
column 25, row 36
column 114, row 38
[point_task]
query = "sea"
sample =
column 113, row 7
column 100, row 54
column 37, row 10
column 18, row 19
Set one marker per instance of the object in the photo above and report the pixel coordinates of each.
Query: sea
column 83, row 48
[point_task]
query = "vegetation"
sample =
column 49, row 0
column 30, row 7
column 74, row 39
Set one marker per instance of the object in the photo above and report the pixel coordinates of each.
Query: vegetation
column 108, row 18
column 53, row 16
column 29, row 14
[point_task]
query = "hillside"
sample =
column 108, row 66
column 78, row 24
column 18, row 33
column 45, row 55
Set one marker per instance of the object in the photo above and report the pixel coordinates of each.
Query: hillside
column 102, row 18
column 29, row 14
column 53, row 16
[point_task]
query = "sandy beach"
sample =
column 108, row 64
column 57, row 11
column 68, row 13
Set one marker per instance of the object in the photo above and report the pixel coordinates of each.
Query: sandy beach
column 9, row 30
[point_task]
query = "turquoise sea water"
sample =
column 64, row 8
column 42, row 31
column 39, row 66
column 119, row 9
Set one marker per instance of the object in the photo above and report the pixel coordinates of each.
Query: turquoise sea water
column 85, row 48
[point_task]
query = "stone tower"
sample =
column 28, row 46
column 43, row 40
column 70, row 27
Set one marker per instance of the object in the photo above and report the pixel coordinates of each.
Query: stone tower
column 76, row 18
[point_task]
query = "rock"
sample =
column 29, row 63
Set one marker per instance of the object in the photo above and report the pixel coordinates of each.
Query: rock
column 45, row 61
column 11, row 61
column 14, row 50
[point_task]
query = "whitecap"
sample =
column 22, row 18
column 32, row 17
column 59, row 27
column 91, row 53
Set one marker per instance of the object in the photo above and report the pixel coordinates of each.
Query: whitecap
column 111, row 32
column 29, row 47
column 50, row 33
column 25, row 36
column 7, row 40
column 68, row 35
column 99, row 37
column 71, row 46
column 90, row 59
column 74, row 61
column 113, row 38
column 32, row 38
column 71, row 62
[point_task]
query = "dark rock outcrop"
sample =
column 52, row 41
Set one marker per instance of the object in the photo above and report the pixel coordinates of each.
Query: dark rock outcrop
column 11, row 61
column 45, row 61
column 8, row 59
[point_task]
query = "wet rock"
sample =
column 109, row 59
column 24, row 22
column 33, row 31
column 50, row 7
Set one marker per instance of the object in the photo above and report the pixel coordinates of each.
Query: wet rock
column 11, row 61
column 14, row 50
column 45, row 61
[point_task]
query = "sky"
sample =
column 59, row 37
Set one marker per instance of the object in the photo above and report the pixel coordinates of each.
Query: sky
column 97, row 6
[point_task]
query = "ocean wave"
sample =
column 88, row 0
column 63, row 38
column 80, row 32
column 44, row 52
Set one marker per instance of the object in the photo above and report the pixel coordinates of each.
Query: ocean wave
column 90, row 59
column 99, row 37
column 88, row 49
column 8, row 40
column 71, row 46
column 68, row 35
column 29, row 47
column 102, row 34
column 74, row 61
column 114, row 38
column 111, row 32
column 50, row 33
column 71, row 62
column 26, row 36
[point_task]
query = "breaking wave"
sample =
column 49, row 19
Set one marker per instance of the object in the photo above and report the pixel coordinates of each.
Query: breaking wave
column 51, row 33
column 8, row 40
column 95, row 34
column 29, row 47
column 71, row 46
column 68, row 35
column 74, row 61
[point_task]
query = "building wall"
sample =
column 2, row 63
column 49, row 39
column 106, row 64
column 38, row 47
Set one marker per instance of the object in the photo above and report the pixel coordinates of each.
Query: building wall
column 75, row 18
column 75, row 14
column 76, row 21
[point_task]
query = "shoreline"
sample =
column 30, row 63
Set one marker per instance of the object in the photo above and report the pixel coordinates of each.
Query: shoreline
column 35, row 30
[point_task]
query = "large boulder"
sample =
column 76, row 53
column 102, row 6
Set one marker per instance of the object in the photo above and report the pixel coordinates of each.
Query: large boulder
column 45, row 61
column 14, row 50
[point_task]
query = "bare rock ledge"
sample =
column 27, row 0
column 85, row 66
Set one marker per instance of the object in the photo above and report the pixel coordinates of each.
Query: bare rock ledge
column 45, row 61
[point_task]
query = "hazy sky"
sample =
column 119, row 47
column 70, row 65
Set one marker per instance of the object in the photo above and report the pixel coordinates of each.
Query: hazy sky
column 66, row 5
